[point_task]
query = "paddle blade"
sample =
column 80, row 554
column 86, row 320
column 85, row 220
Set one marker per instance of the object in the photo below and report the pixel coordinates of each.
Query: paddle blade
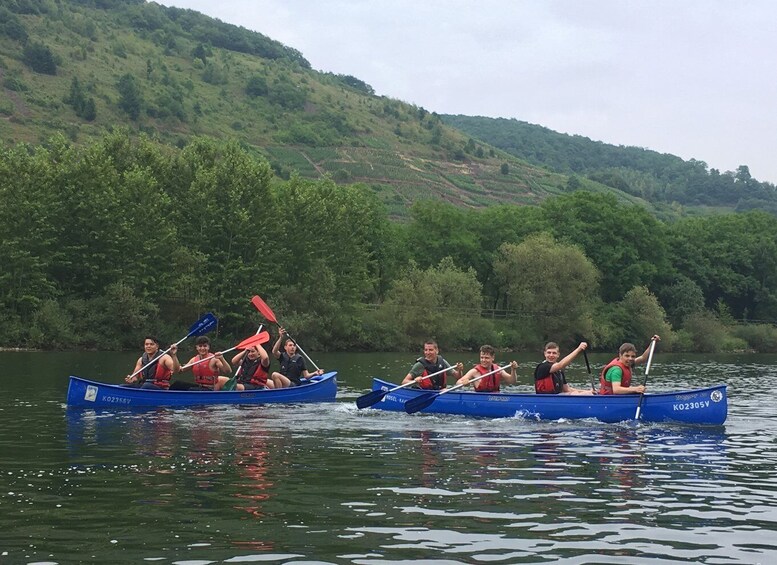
column 230, row 384
column 203, row 325
column 420, row 402
column 265, row 310
column 260, row 339
column 370, row 398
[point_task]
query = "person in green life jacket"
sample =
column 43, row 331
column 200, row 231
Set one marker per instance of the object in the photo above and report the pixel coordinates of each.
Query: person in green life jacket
column 293, row 368
column 432, row 362
column 616, row 376
column 492, row 382
column 549, row 375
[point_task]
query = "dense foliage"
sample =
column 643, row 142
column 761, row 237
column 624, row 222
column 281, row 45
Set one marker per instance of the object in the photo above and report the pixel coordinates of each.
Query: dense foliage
column 106, row 242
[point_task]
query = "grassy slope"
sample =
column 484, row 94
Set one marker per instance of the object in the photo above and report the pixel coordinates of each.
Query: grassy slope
column 384, row 143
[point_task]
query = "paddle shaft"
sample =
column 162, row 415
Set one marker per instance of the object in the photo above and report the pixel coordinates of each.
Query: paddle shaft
column 588, row 366
column 201, row 326
column 177, row 343
column 475, row 379
column 267, row 312
column 303, row 352
column 420, row 402
column 246, row 343
column 374, row 396
column 647, row 371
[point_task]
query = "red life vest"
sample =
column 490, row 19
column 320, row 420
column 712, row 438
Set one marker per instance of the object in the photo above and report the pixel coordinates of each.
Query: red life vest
column 156, row 373
column 605, row 385
column 489, row 383
column 253, row 372
column 437, row 382
column 203, row 374
column 551, row 383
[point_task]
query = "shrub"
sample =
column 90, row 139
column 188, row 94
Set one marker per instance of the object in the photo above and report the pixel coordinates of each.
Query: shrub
column 761, row 337
column 707, row 333
column 40, row 59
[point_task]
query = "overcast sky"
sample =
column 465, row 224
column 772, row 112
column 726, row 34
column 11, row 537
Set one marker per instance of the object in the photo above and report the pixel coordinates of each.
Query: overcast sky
column 694, row 78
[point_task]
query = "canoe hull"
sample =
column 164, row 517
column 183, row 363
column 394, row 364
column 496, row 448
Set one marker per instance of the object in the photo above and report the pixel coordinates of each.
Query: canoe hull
column 83, row 393
column 705, row 406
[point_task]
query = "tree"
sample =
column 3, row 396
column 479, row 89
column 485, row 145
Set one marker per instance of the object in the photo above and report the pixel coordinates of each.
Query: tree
column 551, row 285
column 40, row 58
column 257, row 86
column 442, row 302
column 731, row 257
column 627, row 244
column 505, row 169
column 130, row 96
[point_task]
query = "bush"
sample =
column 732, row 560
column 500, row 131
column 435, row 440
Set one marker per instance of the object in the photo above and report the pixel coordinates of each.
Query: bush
column 706, row 332
column 52, row 327
column 40, row 59
column 761, row 337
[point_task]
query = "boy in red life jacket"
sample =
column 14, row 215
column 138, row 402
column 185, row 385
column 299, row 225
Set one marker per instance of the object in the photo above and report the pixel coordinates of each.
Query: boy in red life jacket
column 252, row 371
column 159, row 366
column 615, row 377
column 492, row 382
column 207, row 374
column 432, row 363
column 549, row 375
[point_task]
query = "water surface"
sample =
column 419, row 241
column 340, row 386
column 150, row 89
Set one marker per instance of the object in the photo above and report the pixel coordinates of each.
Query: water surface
column 327, row 483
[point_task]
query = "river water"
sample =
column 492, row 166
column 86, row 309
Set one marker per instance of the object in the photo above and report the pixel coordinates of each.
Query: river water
column 327, row 483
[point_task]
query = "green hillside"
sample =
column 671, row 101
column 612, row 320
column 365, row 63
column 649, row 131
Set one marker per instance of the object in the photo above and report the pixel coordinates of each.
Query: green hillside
column 86, row 67
column 665, row 180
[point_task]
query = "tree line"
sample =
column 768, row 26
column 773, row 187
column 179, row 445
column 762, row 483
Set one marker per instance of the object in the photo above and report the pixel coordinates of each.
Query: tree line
column 106, row 242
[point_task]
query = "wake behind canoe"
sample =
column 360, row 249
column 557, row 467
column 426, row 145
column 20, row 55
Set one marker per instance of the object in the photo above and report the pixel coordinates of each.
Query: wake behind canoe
column 704, row 406
column 91, row 394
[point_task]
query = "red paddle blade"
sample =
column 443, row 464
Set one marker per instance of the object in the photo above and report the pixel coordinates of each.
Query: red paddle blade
column 266, row 311
column 259, row 339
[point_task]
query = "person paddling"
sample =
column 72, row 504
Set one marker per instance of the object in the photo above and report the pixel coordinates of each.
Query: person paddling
column 432, row 363
column 159, row 366
column 293, row 368
column 207, row 374
column 549, row 375
column 615, row 377
column 491, row 382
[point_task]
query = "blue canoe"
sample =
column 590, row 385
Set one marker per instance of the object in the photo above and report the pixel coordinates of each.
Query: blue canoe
column 704, row 406
column 90, row 394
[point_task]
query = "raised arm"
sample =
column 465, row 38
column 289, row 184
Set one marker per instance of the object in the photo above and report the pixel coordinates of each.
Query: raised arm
column 276, row 349
column 561, row 365
column 642, row 358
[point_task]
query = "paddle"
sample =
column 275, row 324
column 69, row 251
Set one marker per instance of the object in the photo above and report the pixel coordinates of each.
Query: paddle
column 200, row 327
column 376, row 396
column 259, row 338
column 420, row 402
column 588, row 366
column 647, row 370
column 267, row 312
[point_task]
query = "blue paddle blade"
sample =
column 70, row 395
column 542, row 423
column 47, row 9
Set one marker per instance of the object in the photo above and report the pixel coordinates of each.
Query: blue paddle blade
column 370, row 398
column 203, row 325
column 420, row 402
